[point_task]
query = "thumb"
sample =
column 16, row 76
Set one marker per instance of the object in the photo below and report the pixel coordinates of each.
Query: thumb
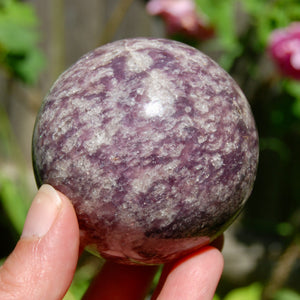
column 43, row 262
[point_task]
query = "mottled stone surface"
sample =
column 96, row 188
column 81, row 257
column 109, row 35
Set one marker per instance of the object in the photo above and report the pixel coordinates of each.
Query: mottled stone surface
column 155, row 145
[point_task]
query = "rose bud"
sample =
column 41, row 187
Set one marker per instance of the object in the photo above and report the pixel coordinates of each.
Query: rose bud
column 284, row 47
column 181, row 17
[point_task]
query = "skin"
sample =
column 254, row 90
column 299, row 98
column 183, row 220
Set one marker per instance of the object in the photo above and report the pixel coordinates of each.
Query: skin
column 44, row 260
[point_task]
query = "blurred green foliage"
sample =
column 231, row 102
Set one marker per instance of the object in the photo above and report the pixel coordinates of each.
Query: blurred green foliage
column 13, row 203
column 286, row 294
column 222, row 15
column 21, row 59
column 19, row 38
column 14, row 192
column 263, row 15
column 253, row 292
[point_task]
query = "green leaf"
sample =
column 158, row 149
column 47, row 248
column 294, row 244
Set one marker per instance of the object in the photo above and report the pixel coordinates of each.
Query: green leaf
column 285, row 229
column 70, row 296
column 264, row 17
column 251, row 292
column 222, row 16
column 270, row 15
column 287, row 294
column 82, row 279
column 2, row 260
column 13, row 203
column 19, row 37
column 28, row 69
column 293, row 88
column 276, row 145
column 253, row 7
column 17, row 27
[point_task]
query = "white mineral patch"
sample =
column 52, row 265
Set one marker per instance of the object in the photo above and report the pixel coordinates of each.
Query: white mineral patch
column 160, row 95
column 71, row 142
column 99, row 138
column 111, row 53
column 214, row 143
column 154, row 109
column 140, row 91
column 201, row 106
column 71, row 91
column 229, row 147
column 165, row 215
column 91, row 116
column 138, row 62
column 48, row 116
column 188, row 109
column 184, row 123
column 96, row 76
column 83, row 165
column 170, row 167
column 208, row 127
column 201, row 139
column 171, row 150
column 203, row 173
column 217, row 161
column 145, row 178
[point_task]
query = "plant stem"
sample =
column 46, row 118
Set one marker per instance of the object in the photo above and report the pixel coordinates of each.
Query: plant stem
column 282, row 270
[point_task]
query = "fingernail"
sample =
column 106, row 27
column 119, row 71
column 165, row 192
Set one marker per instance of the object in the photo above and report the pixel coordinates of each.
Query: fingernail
column 42, row 213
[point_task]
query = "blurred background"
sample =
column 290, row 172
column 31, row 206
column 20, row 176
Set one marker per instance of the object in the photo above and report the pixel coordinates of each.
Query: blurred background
column 256, row 41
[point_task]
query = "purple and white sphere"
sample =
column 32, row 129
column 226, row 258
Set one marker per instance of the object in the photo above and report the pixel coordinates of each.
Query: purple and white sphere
column 154, row 144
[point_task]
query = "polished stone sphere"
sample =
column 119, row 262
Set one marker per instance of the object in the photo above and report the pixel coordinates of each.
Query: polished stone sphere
column 154, row 144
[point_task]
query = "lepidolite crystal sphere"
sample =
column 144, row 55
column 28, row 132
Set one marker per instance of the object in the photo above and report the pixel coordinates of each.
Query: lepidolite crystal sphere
column 154, row 144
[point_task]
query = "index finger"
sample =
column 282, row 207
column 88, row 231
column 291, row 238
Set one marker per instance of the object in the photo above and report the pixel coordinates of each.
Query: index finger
column 195, row 276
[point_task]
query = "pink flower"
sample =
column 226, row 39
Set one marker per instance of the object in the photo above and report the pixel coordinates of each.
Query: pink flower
column 181, row 17
column 284, row 47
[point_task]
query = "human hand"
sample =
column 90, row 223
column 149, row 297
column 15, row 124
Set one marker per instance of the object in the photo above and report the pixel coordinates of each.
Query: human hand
column 44, row 260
